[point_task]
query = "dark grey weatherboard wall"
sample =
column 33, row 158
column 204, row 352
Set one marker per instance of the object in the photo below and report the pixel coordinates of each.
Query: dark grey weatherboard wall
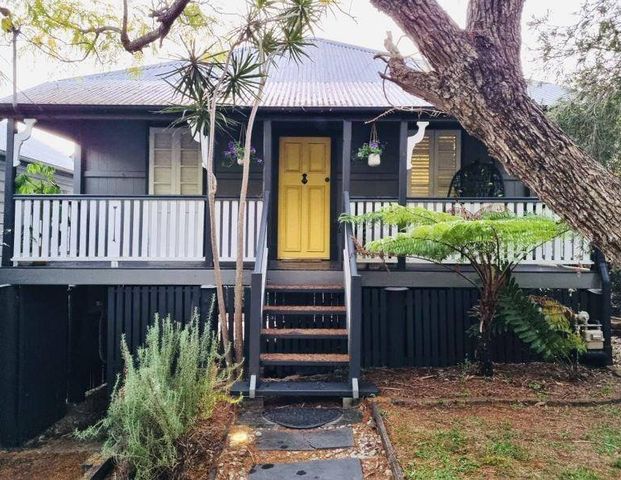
column 115, row 155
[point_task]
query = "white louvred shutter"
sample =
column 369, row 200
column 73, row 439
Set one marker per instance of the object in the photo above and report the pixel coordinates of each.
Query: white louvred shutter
column 174, row 163
column 434, row 162
column 446, row 159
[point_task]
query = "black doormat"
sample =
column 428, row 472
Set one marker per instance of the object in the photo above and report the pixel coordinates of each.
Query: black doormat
column 302, row 417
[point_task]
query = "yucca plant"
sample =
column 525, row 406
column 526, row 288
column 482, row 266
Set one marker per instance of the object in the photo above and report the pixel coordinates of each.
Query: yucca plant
column 492, row 241
column 177, row 377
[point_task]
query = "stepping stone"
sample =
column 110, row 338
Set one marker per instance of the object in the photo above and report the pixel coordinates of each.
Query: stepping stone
column 303, row 417
column 304, row 441
column 341, row 469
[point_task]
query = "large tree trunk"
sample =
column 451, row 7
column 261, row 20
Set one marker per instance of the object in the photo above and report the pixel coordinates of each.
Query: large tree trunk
column 476, row 76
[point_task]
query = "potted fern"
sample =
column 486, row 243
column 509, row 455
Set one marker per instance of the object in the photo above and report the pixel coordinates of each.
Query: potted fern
column 372, row 150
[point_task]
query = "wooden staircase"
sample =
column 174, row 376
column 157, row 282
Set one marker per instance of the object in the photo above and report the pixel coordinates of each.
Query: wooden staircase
column 304, row 331
column 304, row 322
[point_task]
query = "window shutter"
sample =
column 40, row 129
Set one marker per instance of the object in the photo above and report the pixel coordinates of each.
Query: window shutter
column 446, row 159
column 174, row 163
column 190, row 166
column 434, row 163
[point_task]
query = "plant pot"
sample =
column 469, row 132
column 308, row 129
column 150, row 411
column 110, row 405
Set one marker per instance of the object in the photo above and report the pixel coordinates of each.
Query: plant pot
column 240, row 161
column 374, row 159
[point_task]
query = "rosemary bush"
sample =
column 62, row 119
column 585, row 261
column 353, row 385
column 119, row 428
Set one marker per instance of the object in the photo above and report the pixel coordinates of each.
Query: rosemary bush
column 175, row 378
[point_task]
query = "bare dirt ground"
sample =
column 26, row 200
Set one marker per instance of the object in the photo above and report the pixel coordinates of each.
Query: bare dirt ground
column 56, row 454
column 53, row 459
column 477, row 437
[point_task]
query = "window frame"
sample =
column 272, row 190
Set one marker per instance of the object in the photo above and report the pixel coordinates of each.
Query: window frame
column 175, row 172
column 433, row 134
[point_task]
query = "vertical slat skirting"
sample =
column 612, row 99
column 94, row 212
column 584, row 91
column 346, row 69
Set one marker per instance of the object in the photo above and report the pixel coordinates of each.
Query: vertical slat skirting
column 432, row 323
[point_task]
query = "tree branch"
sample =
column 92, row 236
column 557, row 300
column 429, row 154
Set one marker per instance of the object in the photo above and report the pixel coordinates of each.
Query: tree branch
column 166, row 18
column 434, row 32
column 496, row 22
column 425, row 85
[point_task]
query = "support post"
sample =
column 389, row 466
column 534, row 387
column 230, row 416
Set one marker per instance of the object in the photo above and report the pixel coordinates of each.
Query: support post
column 396, row 315
column 206, row 236
column 78, row 170
column 267, row 155
column 9, row 194
column 605, row 306
column 345, row 175
column 403, row 174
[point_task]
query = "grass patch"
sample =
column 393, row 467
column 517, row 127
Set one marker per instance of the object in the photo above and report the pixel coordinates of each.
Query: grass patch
column 441, row 455
column 607, row 439
column 503, row 442
column 579, row 473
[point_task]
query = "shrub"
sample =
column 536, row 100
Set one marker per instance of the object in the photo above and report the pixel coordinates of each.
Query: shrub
column 174, row 378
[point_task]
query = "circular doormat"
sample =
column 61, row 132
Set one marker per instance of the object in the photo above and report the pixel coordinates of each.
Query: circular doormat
column 302, row 417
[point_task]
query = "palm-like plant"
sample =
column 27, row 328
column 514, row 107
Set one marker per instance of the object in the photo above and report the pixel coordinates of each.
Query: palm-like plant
column 492, row 241
column 222, row 78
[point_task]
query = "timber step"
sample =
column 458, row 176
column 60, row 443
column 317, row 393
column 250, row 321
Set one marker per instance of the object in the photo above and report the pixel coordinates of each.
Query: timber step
column 304, row 359
column 305, row 309
column 334, row 288
column 284, row 388
column 321, row 333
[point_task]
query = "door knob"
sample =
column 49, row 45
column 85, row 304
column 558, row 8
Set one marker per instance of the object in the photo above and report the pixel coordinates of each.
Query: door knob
column 327, row 179
column 304, row 178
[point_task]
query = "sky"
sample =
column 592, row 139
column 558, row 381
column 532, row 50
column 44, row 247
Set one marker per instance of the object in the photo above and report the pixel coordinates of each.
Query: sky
column 367, row 28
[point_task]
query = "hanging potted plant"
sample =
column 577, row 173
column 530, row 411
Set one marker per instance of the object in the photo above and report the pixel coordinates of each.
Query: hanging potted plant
column 234, row 153
column 371, row 151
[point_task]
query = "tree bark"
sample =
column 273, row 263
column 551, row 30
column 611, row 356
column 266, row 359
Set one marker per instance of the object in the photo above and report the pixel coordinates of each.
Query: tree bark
column 241, row 221
column 477, row 78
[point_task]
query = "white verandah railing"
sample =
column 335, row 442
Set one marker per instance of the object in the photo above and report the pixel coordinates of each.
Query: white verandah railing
column 144, row 228
column 569, row 249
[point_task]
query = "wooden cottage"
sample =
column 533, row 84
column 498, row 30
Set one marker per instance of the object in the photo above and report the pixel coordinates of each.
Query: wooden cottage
column 80, row 270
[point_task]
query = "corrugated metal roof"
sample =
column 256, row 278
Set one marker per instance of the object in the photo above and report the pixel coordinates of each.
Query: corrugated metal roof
column 334, row 75
column 34, row 150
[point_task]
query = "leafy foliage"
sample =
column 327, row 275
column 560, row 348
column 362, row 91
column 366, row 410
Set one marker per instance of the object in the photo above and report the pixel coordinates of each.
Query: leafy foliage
column 593, row 120
column 175, row 378
column 490, row 236
column 369, row 148
column 591, row 115
column 71, row 30
column 542, row 323
column 37, row 179
column 494, row 241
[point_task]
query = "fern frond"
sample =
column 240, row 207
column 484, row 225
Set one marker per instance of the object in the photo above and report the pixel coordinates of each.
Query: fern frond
column 542, row 329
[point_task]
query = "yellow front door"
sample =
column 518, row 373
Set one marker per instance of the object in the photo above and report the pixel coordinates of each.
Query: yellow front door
column 304, row 198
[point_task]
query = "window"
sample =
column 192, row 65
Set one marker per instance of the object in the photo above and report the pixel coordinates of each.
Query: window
column 434, row 162
column 175, row 166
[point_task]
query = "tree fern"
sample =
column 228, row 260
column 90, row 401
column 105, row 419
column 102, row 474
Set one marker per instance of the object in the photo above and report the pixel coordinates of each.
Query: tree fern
column 494, row 241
